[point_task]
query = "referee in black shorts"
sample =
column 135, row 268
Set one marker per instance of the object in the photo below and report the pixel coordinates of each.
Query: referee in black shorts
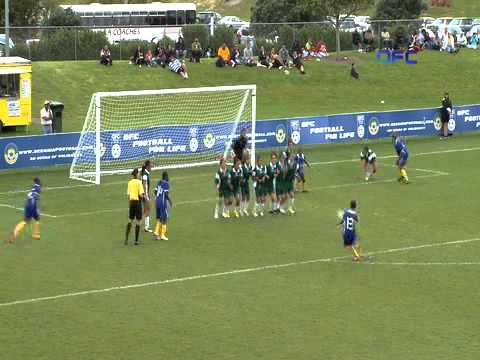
column 135, row 194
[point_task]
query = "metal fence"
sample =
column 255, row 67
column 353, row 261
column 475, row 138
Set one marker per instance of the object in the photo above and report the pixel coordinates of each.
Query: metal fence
column 84, row 43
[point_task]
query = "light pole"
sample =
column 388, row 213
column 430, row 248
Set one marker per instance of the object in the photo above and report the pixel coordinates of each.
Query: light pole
column 7, row 30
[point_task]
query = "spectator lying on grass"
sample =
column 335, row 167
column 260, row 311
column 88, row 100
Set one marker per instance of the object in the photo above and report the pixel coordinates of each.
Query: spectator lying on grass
column 178, row 67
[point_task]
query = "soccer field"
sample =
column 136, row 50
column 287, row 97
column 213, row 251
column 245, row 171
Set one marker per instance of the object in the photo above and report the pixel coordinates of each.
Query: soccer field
column 278, row 287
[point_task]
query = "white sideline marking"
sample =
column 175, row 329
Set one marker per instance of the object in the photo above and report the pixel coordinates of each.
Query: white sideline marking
column 226, row 273
column 66, row 187
column 21, row 209
column 421, row 263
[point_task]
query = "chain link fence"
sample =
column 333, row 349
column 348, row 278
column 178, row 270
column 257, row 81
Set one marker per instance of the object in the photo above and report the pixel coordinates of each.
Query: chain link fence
column 85, row 43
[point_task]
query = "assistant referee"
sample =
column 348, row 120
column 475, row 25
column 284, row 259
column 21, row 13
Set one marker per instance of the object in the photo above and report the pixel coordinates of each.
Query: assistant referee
column 135, row 194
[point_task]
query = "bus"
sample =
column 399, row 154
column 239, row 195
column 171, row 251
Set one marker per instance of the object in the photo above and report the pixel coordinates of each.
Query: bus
column 150, row 22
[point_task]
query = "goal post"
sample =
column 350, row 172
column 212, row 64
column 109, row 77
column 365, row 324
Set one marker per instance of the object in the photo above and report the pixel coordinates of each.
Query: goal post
column 174, row 128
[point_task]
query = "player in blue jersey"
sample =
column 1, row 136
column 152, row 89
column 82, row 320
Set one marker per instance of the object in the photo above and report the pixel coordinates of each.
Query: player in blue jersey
column 163, row 202
column 349, row 221
column 30, row 211
column 402, row 152
column 301, row 162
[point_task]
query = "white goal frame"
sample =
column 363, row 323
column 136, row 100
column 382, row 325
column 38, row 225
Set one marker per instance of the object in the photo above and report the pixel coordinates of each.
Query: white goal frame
column 95, row 105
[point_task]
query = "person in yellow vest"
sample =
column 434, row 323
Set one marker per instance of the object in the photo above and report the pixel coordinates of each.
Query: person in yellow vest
column 135, row 194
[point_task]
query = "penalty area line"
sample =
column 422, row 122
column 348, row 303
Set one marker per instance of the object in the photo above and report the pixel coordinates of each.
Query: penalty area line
column 226, row 273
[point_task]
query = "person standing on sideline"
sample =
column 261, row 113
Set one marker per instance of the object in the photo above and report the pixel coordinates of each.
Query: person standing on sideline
column 46, row 117
column 445, row 114
column 135, row 194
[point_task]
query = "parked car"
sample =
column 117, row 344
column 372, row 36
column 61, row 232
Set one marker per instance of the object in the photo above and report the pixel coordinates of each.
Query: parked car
column 233, row 22
column 439, row 24
column 426, row 21
column 349, row 26
column 362, row 22
column 204, row 17
column 474, row 30
column 460, row 25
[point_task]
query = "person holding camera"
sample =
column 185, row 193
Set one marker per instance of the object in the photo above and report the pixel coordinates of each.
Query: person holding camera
column 446, row 112
column 46, row 117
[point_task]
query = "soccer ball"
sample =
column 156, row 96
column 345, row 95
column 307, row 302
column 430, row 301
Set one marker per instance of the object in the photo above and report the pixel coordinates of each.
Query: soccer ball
column 339, row 214
column 287, row 72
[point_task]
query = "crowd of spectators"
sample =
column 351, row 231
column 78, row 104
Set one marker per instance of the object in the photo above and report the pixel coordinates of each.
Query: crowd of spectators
column 450, row 42
column 282, row 59
column 442, row 40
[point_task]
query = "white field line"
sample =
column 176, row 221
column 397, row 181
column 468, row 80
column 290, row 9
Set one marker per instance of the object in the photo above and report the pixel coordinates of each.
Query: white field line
column 21, row 209
column 429, row 171
column 67, row 187
column 420, row 263
column 227, row 273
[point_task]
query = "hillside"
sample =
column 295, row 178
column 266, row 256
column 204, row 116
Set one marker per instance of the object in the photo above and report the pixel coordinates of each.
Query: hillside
column 326, row 88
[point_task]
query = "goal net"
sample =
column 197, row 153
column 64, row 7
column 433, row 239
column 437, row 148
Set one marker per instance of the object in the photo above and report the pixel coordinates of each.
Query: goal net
column 173, row 128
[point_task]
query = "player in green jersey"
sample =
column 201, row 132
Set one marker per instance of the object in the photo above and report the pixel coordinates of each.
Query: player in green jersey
column 245, row 185
column 236, row 178
column 224, row 190
column 259, row 175
column 270, row 184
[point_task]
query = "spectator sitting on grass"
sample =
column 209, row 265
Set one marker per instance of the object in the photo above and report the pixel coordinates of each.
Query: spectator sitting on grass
column 159, row 57
column 177, row 67
column 224, row 56
column 138, row 57
column 180, row 48
column 461, row 39
column 105, row 56
column 263, row 60
column 149, row 58
column 196, row 51
column 297, row 62
column 283, row 56
column 236, row 56
column 474, row 40
column 320, row 50
column 248, row 58
column 275, row 60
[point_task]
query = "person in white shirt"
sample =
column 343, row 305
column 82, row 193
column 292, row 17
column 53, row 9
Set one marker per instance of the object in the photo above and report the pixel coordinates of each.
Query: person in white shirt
column 46, row 117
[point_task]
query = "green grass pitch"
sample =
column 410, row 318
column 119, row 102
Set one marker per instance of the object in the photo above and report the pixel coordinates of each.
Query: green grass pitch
column 277, row 287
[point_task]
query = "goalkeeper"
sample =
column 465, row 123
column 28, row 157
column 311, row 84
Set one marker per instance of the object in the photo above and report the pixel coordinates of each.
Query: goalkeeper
column 239, row 146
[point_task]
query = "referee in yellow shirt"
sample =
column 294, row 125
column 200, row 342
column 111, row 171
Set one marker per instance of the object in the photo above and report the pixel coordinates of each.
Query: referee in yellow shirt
column 135, row 195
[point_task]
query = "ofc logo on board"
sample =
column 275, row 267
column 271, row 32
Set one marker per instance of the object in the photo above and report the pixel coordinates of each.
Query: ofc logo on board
column 11, row 153
column 392, row 56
